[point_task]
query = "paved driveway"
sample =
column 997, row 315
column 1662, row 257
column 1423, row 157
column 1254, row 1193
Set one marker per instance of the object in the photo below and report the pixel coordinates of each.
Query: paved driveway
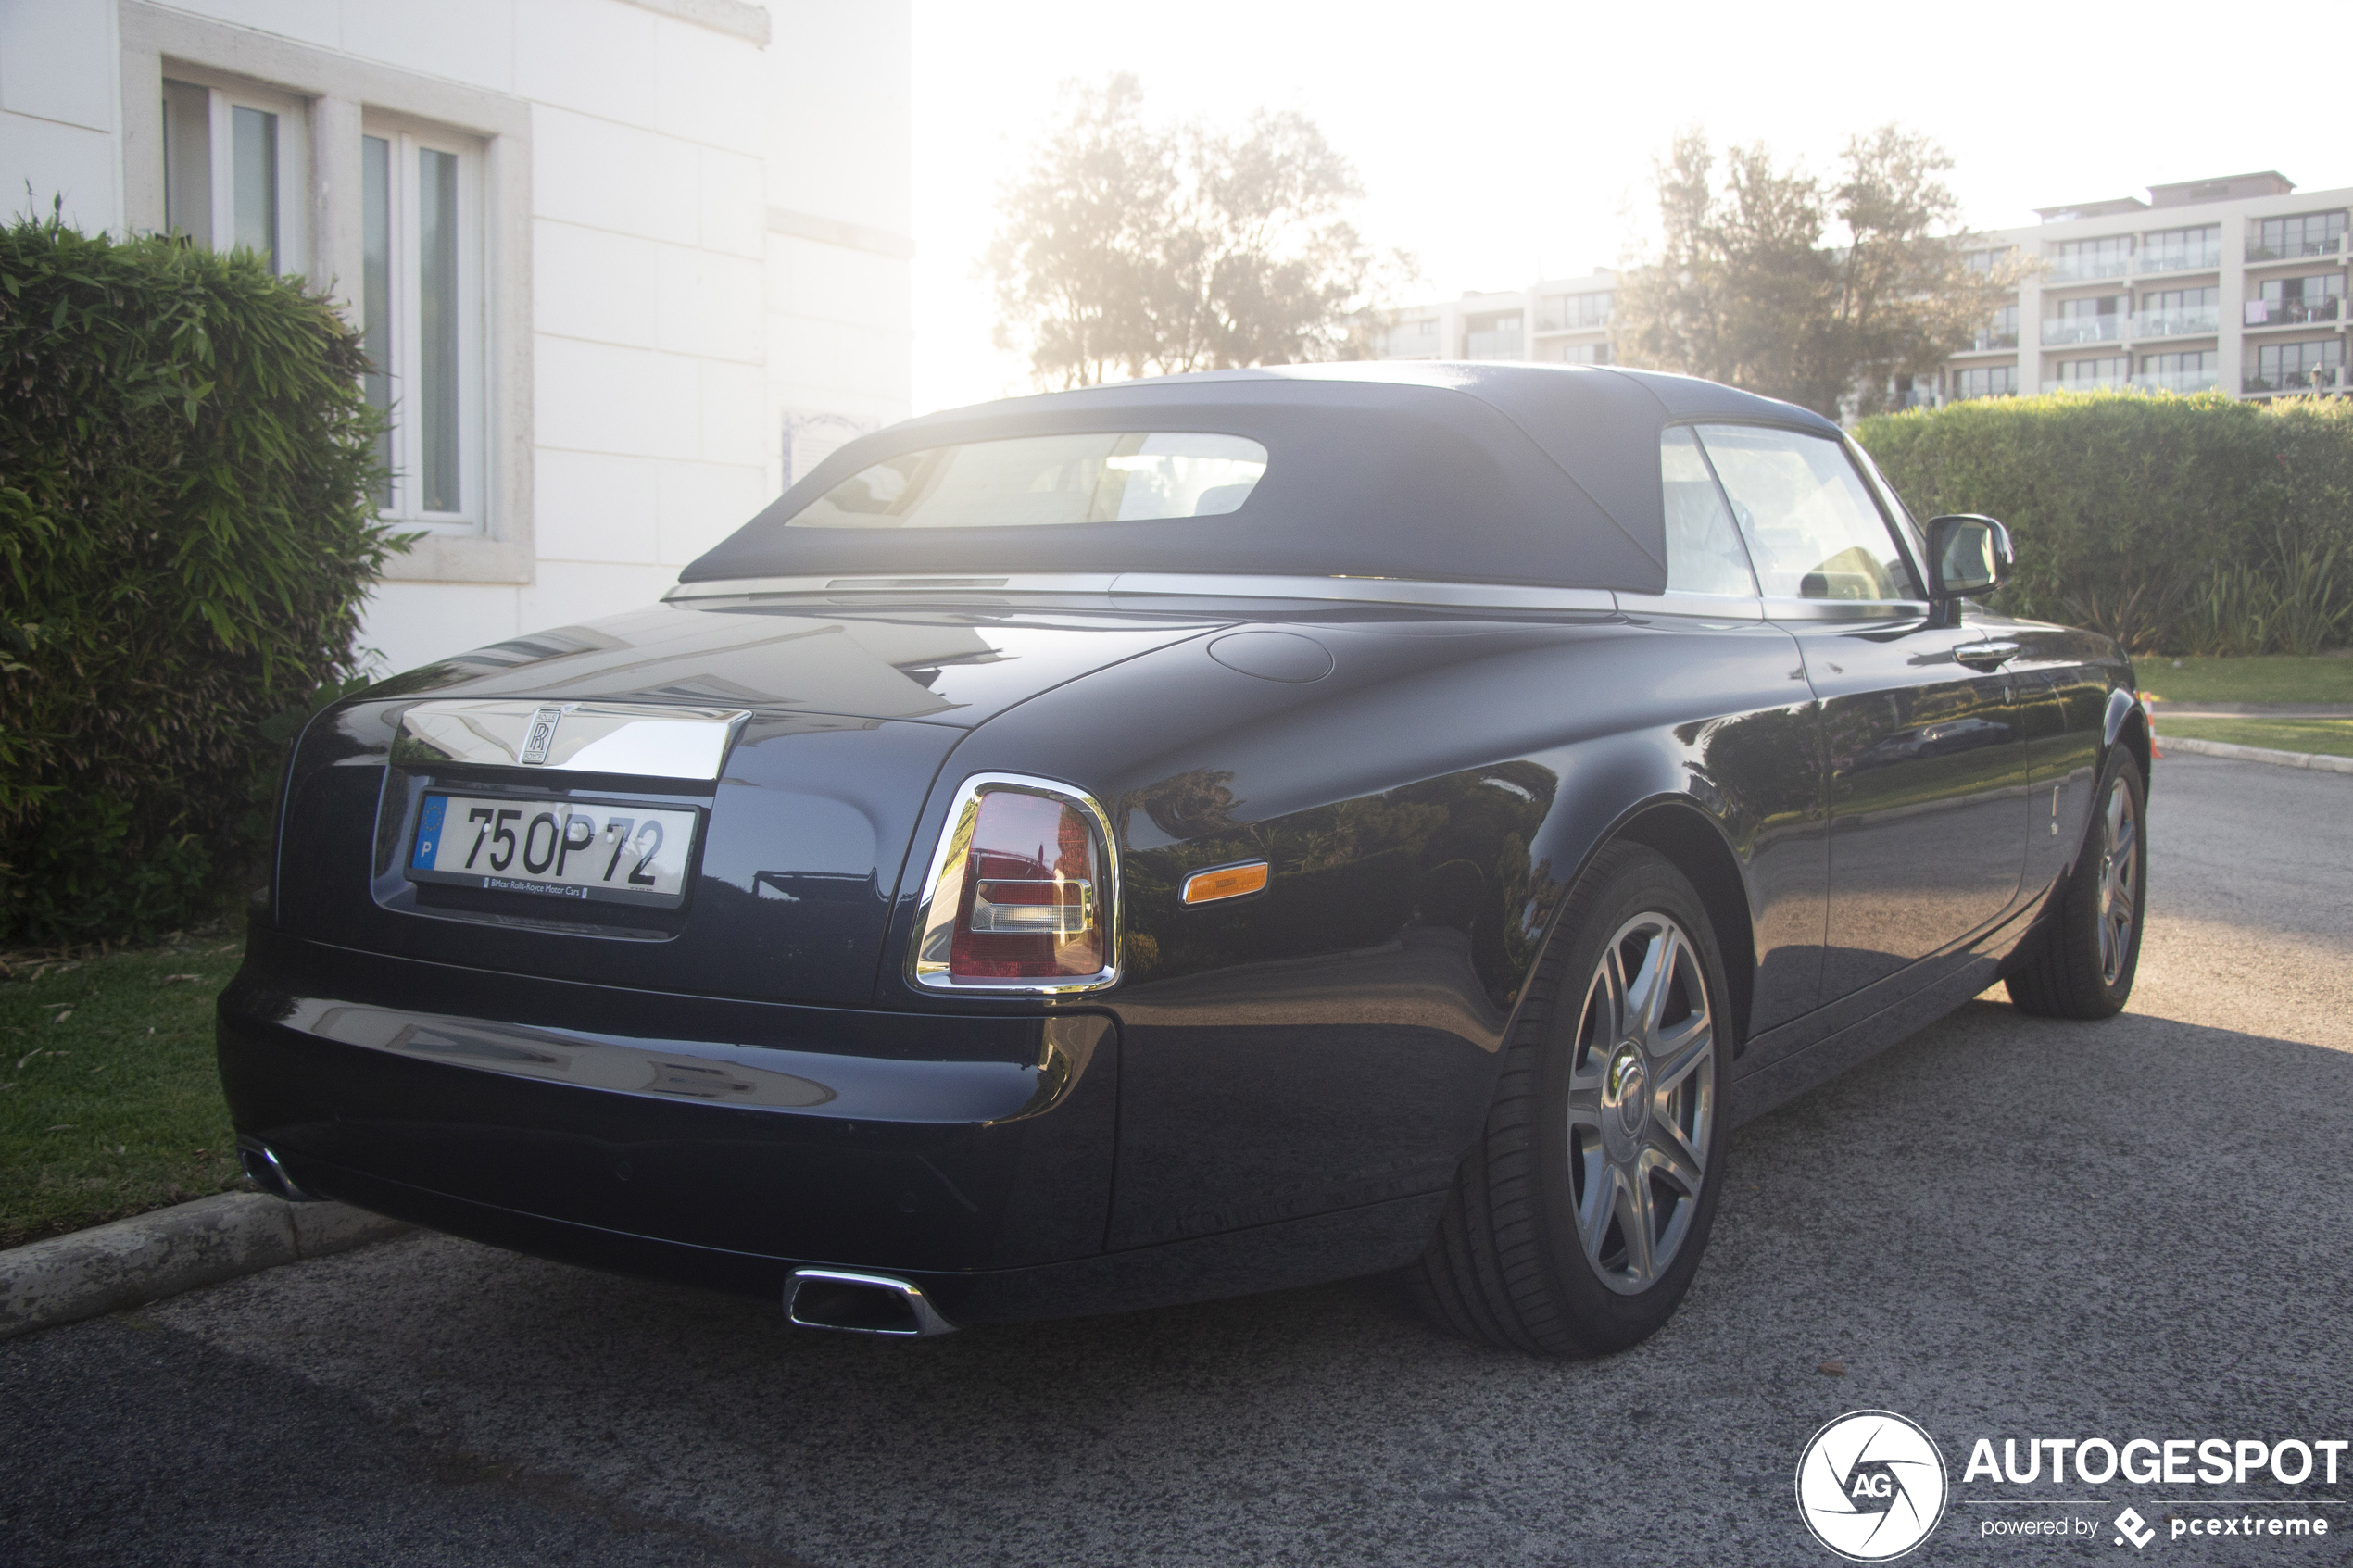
column 2004, row 1227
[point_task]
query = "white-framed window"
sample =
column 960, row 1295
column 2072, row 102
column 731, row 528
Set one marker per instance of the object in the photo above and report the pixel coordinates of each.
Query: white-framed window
column 423, row 317
column 236, row 169
column 448, row 316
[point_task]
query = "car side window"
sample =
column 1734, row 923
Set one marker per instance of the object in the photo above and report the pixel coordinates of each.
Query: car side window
column 1812, row 528
column 1703, row 551
column 1904, row 521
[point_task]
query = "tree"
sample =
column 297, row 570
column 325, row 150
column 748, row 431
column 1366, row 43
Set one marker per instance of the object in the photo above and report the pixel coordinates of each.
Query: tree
column 1126, row 250
column 1820, row 293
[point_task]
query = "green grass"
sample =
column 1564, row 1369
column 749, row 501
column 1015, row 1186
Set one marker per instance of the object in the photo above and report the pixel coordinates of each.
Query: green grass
column 2271, row 678
column 109, row 1101
column 2329, row 737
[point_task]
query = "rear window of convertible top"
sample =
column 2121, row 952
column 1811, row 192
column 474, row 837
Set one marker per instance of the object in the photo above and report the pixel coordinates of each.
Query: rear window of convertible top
column 1029, row 481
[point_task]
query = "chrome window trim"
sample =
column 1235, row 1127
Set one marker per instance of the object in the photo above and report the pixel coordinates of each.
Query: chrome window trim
column 1148, row 584
column 1845, row 610
column 934, row 930
column 1707, row 607
column 658, row 742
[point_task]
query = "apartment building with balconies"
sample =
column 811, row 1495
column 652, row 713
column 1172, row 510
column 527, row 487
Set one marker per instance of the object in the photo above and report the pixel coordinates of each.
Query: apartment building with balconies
column 1559, row 320
column 2237, row 283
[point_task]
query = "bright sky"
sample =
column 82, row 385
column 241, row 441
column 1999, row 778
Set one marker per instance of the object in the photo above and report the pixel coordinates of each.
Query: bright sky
column 1495, row 138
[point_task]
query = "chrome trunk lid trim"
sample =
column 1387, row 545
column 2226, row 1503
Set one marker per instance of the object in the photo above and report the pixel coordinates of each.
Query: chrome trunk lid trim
column 639, row 739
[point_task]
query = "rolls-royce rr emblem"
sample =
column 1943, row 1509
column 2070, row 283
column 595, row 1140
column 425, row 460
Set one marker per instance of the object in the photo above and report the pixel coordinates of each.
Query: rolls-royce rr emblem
column 541, row 734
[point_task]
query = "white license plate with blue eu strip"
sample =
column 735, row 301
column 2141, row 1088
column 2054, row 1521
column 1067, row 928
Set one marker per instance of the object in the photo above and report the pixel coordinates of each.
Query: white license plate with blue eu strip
column 596, row 852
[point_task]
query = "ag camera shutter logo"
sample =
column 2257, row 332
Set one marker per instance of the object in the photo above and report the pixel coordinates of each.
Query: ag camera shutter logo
column 1872, row 1486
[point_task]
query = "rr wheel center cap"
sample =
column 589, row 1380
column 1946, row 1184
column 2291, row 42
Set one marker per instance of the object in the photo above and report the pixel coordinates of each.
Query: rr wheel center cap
column 1622, row 1087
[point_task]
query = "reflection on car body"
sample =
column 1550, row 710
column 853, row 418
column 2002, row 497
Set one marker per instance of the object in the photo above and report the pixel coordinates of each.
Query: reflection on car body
column 1176, row 839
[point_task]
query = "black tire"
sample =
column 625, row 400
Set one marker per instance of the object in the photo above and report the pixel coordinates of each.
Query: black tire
column 1509, row 1265
column 2076, row 964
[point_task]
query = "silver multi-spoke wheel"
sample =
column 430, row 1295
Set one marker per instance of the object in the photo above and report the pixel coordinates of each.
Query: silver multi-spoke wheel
column 2079, row 960
column 1641, row 1095
column 1580, row 1213
column 2119, row 879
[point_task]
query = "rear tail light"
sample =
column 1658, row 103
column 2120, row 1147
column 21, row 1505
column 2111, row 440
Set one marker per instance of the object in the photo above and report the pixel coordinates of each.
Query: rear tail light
column 1023, row 894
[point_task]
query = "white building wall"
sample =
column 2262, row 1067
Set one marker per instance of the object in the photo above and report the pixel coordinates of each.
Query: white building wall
column 716, row 255
column 59, row 111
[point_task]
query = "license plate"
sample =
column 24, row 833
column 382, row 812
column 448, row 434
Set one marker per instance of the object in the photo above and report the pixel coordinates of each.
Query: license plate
column 554, row 849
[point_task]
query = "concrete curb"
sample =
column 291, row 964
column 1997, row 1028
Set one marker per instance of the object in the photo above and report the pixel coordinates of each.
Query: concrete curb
column 148, row 1257
column 2312, row 761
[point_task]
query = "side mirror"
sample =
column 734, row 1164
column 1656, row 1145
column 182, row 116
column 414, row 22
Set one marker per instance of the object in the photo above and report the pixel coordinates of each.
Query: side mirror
column 1967, row 555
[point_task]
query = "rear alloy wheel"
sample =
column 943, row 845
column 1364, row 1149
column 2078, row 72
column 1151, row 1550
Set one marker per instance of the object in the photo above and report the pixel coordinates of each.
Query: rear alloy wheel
column 1641, row 1103
column 2081, row 962
column 1577, row 1220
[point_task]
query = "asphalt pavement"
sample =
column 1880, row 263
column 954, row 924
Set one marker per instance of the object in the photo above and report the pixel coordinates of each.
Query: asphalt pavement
column 2006, row 1227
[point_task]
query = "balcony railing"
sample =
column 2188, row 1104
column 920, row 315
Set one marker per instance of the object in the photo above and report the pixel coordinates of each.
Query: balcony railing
column 2293, row 249
column 2196, row 320
column 2293, row 312
column 2060, row 331
column 2085, row 383
column 2312, row 378
column 2175, row 380
column 2196, row 258
column 2075, row 268
column 1990, row 338
column 1493, row 346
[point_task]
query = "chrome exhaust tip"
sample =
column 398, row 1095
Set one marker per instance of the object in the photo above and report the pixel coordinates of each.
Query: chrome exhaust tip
column 849, row 1302
column 263, row 1168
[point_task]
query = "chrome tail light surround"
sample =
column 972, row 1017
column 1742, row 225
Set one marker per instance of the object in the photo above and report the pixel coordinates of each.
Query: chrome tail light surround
column 942, row 899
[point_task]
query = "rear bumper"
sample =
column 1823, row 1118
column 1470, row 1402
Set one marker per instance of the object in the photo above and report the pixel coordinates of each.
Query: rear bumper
column 483, row 1103
column 1308, row 1251
column 727, row 1144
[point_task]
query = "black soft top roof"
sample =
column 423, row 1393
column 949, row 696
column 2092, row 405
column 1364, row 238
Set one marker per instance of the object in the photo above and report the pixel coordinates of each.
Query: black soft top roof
column 1417, row 469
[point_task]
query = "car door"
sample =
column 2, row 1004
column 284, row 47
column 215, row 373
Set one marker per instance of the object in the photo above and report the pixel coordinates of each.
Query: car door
column 1920, row 719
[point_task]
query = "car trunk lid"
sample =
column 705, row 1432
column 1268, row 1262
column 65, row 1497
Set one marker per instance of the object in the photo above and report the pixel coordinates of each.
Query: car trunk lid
column 793, row 750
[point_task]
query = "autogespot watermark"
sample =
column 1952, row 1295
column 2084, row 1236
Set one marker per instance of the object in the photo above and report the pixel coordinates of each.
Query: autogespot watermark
column 1872, row 1486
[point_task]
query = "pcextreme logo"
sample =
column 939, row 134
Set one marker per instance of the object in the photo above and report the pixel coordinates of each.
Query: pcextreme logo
column 1872, row 1486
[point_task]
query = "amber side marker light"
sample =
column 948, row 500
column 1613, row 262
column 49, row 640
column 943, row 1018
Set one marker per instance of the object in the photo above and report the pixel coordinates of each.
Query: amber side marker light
column 1226, row 881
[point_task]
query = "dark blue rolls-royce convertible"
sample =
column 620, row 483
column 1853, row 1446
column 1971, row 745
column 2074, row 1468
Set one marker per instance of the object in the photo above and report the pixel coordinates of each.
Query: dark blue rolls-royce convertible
column 1176, row 839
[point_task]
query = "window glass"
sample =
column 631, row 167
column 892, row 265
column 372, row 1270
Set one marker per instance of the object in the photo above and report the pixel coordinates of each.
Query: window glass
column 375, row 291
column 1128, row 476
column 437, row 320
column 187, row 161
column 1811, row 526
column 1985, row 381
column 422, row 322
column 253, row 183
column 1703, row 553
column 1909, row 525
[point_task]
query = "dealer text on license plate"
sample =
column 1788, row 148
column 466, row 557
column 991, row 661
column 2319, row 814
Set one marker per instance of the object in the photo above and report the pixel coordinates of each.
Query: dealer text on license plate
column 603, row 853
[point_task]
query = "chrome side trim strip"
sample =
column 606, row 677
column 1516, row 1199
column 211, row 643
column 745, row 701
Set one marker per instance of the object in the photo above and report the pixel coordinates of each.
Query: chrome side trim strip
column 579, row 737
column 1704, row 607
column 854, row 588
column 935, row 911
column 1845, row 610
column 1366, row 590
column 1149, row 584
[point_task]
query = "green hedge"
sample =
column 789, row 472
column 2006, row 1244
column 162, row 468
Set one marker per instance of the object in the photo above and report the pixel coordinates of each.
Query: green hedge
column 2187, row 524
column 185, row 536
